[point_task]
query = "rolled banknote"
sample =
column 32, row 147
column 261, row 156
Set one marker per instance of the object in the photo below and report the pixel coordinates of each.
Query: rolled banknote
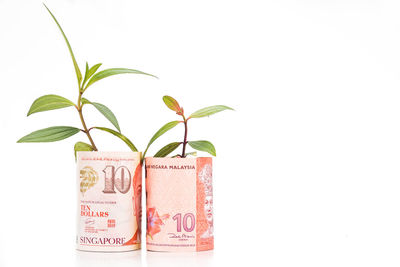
column 109, row 201
column 179, row 204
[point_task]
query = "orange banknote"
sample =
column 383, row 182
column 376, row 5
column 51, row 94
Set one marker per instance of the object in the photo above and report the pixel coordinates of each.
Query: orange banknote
column 109, row 201
column 179, row 204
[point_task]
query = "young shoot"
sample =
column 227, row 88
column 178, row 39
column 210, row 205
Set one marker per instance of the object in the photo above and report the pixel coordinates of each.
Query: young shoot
column 51, row 102
column 201, row 145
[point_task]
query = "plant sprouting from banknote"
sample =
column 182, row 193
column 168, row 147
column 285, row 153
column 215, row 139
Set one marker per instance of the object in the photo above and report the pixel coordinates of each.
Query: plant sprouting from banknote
column 201, row 145
column 51, row 102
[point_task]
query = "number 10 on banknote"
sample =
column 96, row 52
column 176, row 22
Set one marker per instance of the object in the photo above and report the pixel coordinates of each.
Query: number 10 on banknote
column 179, row 204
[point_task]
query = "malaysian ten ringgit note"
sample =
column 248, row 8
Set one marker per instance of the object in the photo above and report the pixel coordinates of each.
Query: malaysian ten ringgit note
column 179, row 204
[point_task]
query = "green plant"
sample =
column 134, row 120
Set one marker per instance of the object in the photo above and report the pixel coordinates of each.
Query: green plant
column 51, row 102
column 200, row 145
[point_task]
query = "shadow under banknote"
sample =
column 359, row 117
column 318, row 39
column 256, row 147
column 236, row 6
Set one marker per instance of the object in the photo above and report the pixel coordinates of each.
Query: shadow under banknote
column 180, row 259
column 106, row 259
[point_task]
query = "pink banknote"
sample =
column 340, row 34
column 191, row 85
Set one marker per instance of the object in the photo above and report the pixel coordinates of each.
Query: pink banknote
column 179, row 204
column 109, row 201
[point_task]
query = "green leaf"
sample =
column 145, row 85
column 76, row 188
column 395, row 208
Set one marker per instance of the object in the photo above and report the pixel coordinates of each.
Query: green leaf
column 166, row 150
column 81, row 146
column 50, row 134
column 89, row 72
column 105, row 111
column 77, row 70
column 120, row 136
column 94, row 69
column 171, row 103
column 202, row 145
column 49, row 102
column 209, row 111
column 110, row 72
column 86, row 73
column 160, row 132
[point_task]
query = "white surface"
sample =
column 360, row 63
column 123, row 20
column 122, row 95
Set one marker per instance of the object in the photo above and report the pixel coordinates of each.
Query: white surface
column 307, row 172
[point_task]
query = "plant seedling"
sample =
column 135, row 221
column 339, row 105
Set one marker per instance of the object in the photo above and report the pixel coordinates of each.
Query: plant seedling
column 200, row 145
column 51, row 102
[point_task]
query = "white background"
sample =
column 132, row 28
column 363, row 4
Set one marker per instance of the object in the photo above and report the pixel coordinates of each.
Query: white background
column 307, row 172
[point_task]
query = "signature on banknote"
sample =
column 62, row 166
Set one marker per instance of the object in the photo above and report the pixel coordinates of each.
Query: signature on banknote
column 89, row 221
column 180, row 236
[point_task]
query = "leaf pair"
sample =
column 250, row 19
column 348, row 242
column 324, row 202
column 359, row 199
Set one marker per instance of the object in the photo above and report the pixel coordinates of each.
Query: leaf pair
column 90, row 73
column 201, row 145
column 51, row 102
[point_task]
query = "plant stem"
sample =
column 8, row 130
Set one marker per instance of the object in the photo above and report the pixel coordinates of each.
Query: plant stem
column 185, row 138
column 86, row 131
